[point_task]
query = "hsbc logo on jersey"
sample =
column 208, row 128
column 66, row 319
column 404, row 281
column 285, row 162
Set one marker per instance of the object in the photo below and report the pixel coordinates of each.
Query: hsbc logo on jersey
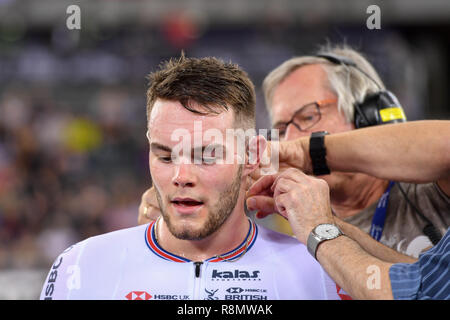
column 235, row 275
column 138, row 295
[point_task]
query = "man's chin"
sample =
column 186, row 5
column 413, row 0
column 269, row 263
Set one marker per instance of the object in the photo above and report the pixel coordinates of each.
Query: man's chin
column 192, row 228
column 186, row 232
column 188, row 235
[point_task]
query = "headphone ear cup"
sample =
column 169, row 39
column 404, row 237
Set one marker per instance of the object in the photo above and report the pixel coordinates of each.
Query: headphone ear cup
column 378, row 108
column 359, row 120
column 366, row 112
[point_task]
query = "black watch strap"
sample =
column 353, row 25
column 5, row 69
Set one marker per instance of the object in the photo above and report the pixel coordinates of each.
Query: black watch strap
column 317, row 152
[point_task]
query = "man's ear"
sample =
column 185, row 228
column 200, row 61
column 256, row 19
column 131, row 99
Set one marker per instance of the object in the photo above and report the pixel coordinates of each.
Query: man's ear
column 256, row 147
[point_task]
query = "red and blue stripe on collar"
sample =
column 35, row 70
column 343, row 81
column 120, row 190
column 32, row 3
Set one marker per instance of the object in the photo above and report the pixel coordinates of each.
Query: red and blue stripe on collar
column 232, row 255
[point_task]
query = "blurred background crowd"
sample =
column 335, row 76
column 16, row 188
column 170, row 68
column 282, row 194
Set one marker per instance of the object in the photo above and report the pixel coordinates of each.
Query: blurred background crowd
column 73, row 152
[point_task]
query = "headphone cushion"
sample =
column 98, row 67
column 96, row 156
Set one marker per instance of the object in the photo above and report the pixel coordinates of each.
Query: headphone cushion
column 367, row 112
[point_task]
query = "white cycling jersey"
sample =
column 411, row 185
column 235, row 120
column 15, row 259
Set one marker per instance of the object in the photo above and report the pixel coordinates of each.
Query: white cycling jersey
column 130, row 264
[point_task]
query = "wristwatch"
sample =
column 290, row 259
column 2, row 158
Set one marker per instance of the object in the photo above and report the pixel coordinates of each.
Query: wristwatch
column 317, row 152
column 319, row 234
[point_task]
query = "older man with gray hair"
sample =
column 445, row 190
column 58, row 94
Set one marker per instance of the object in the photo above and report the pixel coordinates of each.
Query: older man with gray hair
column 392, row 181
column 337, row 91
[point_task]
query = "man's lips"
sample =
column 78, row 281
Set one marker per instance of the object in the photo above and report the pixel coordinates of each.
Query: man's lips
column 186, row 205
column 187, row 201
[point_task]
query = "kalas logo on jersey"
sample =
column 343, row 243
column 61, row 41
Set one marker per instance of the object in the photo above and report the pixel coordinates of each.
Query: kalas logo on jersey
column 236, row 274
column 138, row 295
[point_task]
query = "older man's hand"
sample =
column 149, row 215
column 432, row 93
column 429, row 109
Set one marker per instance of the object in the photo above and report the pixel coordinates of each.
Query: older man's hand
column 291, row 154
column 149, row 207
column 303, row 200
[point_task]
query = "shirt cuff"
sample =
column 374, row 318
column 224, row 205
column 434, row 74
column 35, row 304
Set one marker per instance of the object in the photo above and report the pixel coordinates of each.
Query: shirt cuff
column 405, row 280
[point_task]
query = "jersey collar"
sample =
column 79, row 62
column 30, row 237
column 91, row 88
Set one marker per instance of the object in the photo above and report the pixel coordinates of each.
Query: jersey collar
column 232, row 255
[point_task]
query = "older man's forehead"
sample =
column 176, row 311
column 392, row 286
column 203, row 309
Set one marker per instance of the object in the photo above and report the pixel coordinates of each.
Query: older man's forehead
column 304, row 85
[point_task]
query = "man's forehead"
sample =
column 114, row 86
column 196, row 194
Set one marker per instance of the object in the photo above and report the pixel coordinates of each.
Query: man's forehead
column 304, row 85
column 169, row 117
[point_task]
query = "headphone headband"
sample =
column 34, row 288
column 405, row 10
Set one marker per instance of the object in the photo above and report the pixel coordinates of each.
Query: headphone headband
column 376, row 108
column 336, row 59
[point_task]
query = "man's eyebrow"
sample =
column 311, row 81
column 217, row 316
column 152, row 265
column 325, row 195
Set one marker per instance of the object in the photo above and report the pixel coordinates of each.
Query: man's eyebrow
column 211, row 146
column 155, row 146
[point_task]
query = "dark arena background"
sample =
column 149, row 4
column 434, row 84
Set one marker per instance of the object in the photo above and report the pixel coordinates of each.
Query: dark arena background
column 73, row 151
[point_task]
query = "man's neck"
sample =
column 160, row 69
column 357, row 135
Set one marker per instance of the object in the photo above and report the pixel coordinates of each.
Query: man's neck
column 226, row 238
column 355, row 193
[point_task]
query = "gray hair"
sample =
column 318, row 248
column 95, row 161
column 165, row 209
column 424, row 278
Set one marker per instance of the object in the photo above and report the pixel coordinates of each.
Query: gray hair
column 347, row 83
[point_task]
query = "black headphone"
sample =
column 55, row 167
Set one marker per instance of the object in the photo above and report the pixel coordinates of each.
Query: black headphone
column 377, row 108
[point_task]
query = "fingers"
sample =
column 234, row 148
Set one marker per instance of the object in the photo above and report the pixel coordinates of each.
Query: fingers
column 267, row 195
column 266, row 184
column 283, row 185
column 249, row 182
column 280, row 204
column 265, row 205
column 262, row 186
column 286, row 154
column 292, row 174
column 256, row 174
column 150, row 197
column 149, row 208
column 143, row 217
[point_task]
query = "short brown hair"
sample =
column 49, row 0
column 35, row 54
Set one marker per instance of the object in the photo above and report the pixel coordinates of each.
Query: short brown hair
column 210, row 83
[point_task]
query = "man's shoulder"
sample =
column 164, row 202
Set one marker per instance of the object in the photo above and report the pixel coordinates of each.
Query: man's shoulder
column 279, row 240
column 101, row 244
column 92, row 264
column 287, row 254
column 127, row 236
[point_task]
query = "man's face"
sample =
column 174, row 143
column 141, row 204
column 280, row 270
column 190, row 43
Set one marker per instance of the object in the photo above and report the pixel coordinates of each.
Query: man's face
column 303, row 86
column 195, row 196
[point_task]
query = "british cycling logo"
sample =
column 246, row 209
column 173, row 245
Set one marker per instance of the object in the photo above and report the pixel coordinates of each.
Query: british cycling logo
column 237, row 293
column 211, row 295
column 235, row 275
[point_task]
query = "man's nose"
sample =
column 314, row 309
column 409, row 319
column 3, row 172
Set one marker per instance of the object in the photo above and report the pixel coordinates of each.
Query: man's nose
column 184, row 176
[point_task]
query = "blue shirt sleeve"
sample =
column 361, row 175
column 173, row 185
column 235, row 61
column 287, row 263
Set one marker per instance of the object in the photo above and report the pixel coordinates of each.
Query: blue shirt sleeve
column 428, row 278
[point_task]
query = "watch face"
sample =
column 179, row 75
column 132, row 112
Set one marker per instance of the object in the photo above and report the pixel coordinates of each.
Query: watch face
column 327, row 231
